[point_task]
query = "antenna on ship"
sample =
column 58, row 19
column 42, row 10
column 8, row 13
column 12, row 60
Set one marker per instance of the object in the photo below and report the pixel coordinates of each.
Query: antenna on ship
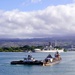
column 50, row 46
column 49, row 43
column 56, row 43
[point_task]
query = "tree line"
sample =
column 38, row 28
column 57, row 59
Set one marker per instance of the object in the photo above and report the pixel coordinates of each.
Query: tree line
column 25, row 48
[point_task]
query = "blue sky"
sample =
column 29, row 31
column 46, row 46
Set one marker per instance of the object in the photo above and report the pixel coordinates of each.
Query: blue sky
column 30, row 5
column 37, row 18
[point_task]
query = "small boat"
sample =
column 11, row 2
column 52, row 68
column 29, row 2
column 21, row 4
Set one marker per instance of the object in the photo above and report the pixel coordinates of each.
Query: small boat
column 48, row 61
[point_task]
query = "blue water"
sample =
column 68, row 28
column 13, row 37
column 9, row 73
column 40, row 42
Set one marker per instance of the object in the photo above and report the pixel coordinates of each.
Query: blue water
column 65, row 67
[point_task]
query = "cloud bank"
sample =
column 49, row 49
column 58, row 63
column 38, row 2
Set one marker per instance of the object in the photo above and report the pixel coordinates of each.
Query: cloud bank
column 52, row 21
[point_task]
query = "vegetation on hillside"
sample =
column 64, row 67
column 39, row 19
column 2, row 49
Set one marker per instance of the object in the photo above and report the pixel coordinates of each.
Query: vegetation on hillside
column 25, row 48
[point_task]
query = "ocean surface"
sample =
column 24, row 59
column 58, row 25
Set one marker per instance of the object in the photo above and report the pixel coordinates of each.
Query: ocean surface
column 65, row 67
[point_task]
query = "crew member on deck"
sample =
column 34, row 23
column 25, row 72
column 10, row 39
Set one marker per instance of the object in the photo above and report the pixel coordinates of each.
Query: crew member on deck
column 57, row 55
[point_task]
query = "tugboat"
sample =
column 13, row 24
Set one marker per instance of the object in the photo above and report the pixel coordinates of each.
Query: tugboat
column 48, row 61
column 28, row 61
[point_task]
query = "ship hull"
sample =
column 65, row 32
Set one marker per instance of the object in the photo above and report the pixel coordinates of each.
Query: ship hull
column 27, row 62
column 53, row 63
column 49, row 51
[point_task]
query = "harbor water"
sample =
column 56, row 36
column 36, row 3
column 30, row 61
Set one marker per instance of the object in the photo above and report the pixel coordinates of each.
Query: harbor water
column 65, row 67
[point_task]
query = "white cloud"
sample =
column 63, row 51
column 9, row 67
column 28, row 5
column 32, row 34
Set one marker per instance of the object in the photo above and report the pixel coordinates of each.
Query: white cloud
column 28, row 2
column 35, row 1
column 52, row 21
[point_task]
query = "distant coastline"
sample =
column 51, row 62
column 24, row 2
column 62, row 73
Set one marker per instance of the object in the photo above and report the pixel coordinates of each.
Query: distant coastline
column 18, row 45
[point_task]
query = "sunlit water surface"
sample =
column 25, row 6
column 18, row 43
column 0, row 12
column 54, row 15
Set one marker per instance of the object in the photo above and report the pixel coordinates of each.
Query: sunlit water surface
column 65, row 67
